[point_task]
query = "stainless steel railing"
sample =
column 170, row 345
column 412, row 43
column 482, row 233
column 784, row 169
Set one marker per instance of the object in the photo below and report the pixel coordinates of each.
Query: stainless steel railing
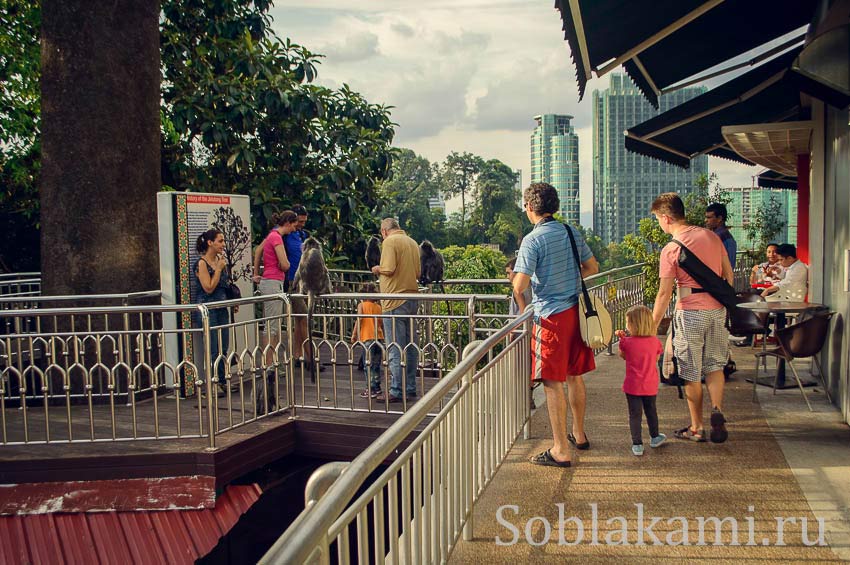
column 20, row 284
column 121, row 373
column 112, row 373
column 422, row 503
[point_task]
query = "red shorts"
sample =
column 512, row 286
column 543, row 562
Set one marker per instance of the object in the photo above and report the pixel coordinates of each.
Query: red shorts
column 557, row 350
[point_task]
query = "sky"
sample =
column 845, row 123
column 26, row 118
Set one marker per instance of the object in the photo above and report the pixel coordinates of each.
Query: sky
column 462, row 75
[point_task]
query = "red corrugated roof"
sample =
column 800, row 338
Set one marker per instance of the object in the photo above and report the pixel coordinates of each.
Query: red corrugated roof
column 169, row 536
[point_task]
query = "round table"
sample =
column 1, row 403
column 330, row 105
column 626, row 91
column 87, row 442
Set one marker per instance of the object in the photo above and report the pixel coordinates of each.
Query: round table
column 780, row 308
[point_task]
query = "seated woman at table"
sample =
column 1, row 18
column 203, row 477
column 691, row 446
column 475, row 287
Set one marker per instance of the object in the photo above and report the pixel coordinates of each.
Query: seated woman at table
column 770, row 272
column 794, row 286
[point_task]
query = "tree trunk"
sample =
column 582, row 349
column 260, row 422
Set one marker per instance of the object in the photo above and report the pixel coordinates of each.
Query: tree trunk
column 101, row 146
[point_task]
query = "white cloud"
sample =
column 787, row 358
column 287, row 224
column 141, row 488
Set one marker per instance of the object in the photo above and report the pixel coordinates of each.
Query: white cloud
column 463, row 75
column 356, row 47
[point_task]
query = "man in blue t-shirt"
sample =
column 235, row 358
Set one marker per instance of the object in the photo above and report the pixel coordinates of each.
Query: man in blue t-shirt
column 715, row 220
column 546, row 261
column 293, row 242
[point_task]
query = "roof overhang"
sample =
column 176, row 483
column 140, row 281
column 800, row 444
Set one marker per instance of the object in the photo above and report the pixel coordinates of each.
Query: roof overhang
column 694, row 128
column 663, row 42
column 774, row 145
column 821, row 70
column 772, row 179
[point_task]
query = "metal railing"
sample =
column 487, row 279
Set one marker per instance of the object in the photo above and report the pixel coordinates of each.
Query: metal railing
column 122, row 373
column 125, row 373
column 111, row 373
column 20, row 284
column 422, row 503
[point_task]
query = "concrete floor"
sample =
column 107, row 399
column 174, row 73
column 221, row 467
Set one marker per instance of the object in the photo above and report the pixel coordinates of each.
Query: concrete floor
column 816, row 446
column 780, row 461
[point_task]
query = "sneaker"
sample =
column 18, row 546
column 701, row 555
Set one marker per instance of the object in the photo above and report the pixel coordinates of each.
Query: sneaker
column 637, row 450
column 657, row 440
column 718, row 426
column 370, row 394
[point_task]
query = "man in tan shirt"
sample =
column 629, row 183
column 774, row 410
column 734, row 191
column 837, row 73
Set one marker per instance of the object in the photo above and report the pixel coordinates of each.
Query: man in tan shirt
column 399, row 272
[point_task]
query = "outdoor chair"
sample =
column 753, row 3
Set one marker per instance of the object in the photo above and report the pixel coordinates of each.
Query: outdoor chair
column 803, row 339
column 746, row 323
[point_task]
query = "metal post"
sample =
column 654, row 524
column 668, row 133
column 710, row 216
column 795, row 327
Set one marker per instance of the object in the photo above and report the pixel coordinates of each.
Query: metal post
column 470, row 313
column 468, row 429
column 205, row 323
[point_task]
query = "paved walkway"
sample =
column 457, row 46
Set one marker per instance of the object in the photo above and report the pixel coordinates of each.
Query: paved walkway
column 779, row 462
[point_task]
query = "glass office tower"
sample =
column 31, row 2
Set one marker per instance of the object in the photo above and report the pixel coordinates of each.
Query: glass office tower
column 625, row 183
column 554, row 159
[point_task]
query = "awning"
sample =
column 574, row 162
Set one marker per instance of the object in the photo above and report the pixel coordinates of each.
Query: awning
column 775, row 146
column 762, row 95
column 662, row 42
column 822, row 71
column 772, row 179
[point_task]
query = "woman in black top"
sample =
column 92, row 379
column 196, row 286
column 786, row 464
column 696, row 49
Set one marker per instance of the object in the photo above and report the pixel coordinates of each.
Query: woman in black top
column 212, row 278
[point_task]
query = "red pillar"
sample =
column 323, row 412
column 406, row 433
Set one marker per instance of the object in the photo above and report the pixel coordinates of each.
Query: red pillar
column 803, row 160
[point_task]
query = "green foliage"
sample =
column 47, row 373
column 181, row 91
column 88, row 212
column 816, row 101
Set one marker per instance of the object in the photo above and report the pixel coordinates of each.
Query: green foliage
column 496, row 217
column 764, row 225
column 708, row 191
column 597, row 246
column 474, row 262
column 242, row 115
column 645, row 247
column 20, row 148
column 405, row 196
column 457, row 177
column 616, row 257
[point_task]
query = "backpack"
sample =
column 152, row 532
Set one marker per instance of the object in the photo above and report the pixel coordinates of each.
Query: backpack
column 708, row 280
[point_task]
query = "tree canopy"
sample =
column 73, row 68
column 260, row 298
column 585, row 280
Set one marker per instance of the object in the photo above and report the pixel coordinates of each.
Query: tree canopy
column 20, row 150
column 240, row 112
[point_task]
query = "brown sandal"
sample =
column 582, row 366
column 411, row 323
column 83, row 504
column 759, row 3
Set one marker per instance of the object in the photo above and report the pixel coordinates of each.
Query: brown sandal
column 689, row 434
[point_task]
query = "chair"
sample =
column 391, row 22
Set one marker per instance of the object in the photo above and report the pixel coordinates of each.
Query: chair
column 746, row 323
column 803, row 339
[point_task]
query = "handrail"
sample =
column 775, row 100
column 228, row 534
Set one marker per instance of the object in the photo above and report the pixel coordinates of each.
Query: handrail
column 72, row 297
column 295, row 547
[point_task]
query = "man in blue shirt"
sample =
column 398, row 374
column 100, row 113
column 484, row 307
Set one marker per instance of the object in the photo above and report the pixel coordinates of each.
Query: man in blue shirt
column 715, row 220
column 293, row 242
column 546, row 262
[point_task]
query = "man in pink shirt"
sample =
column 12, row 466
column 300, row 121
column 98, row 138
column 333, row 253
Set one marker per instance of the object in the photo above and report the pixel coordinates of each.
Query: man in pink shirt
column 700, row 341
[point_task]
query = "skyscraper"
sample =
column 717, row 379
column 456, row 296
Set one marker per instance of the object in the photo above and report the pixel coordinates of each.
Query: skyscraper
column 554, row 159
column 625, row 183
column 746, row 202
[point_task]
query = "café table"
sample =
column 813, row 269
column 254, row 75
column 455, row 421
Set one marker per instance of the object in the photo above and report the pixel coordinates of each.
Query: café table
column 781, row 309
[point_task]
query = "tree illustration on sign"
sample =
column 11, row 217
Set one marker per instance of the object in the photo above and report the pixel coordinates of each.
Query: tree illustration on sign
column 237, row 240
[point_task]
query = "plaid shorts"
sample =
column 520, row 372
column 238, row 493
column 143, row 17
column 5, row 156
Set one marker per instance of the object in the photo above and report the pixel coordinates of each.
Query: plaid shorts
column 700, row 343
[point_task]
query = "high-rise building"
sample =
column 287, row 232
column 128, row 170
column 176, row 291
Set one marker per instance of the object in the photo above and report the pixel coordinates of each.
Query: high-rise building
column 746, row 202
column 625, row 183
column 554, row 159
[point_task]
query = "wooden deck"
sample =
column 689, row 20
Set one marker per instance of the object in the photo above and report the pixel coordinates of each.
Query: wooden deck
column 331, row 422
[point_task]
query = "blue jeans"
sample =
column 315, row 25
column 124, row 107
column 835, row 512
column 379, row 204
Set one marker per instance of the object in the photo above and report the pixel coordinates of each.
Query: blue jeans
column 219, row 317
column 398, row 333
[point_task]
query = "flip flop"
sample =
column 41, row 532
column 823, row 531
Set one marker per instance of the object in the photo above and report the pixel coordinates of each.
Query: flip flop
column 545, row 458
column 582, row 446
